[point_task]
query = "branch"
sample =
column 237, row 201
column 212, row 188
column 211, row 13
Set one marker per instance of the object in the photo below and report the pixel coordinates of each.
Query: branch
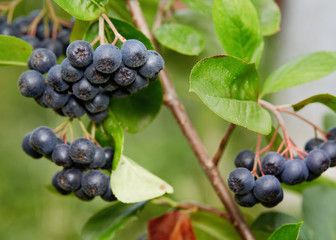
column 172, row 101
column 223, row 143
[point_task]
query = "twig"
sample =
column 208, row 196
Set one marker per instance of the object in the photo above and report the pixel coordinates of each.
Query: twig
column 193, row 205
column 223, row 143
column 115, row 31
column 307, row 121
column 172, row 101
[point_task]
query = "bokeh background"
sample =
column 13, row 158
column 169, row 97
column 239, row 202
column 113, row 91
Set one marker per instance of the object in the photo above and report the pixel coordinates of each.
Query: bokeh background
column 31, row 212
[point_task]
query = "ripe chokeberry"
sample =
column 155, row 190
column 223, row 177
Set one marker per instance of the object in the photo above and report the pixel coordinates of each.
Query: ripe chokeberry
column 318, row 161
column 275, row 201
column 108, row 194
column 107, row 58
column 109, row 154
column 245, row 159
column 330, row 149
column 139, row 84
column 60, row 155
column 124, row 76
column 82, row 151
column 99, row 159
column 295, row 172
column 312, row 144
column 54, row 79
column 246, row 200
column 41, row 60
column 267, row 188
column 57, row 187
column 31, row 83
column 73, row 108
column 153, row 65
column 79, row 53
column 70, row 73
column 94, row 183
column 70, row 179
column 94, row 76
column 98, row 104
column 273, row 163
column 27, row 148
column 82, row 196
column 241, row 181
column 98, row 117
column 134, row 53
column 84, row 90
column 54, row 99
column 331, row 134
column 43, row 140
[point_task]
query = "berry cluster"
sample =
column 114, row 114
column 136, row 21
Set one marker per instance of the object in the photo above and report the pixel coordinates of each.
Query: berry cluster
column 42, row 38
column 86, row 79
column 266, row 189
column 80, row 161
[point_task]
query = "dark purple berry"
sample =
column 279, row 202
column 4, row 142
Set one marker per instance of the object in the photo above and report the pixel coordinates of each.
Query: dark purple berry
column 54, row 78
column 28, row 149
column 70, row 179
column 43, row 140
column 275, row 201
column 241, row 181
column 58, row 188
column 73, row 108
column 153, row 65
column 109, row 154
column 246, row 199
column 318, row 161
column 312, row 144
column 134, row 53
column 330, row 149
column 70, row 73
column 42, row 60
column 94, row 76
column 84, row 90
column 245, row 159
column 98, row 104
column 124, row 76
column 98, row 117
column 99, row 159
column 273, row 163
column 94, row 183
column 82, row 151
column 82, row 196
column 107, row 58
column 31, row 83
column 79, row 53
column 60, row 156
column 267, row 188
column 54, row 99
column 139, row 84
column 295, row 172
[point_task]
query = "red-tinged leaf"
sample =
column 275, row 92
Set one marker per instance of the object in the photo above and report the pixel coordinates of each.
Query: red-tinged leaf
column 171, row 226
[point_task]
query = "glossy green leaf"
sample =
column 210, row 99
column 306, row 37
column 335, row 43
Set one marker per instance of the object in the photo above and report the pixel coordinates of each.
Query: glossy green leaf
column 269, row 16
column 78, row 30
column 14, row 51
column 287, row 232
column 112, row 127
column 326, row 99
column 267, row 223
column 103, row 138
column 238, row 29
column 104, row 224
column 210, row 227
column 229, row 87
column 132, row 183
column 321, row 181
column 303, row 69
column 319, row 211
column 85, row 10
column 137, row 111
column 202, row 6
column 117, row 8
column 180, row 38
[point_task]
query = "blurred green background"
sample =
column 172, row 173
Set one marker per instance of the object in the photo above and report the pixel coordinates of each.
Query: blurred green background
column 29, row 211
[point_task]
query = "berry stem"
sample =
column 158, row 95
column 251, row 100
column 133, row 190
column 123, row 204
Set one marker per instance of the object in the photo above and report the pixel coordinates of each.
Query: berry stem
column 172, row 101
column 86, row 133
column 11, row 10
column 115, row 31
column 307, row 121
column 72, row 132
column 270, row 144
column 93, row 130
column 95, row 41
column 54, row 18
column 33, row 26
column 101, row 31
column 223, row 143
column 282, row 124
column 257, row 159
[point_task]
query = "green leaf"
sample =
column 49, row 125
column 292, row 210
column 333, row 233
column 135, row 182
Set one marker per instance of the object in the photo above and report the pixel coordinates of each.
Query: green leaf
column 14, row 51
column 229, row 87
column 269, row 16
column 78, row 30
column 287, row 232
column 104, row 224
column 238, row 29
column 321, row 181
column 303, row 69
column 103, row 138
column 326, row 99
column 137, row 111
column 319, row 211
column 112, row 127
column 268, row 222
column 210, row 227
column 85, row 10
column 180, row 38
column 329, row 120
column 202, row 6
column 132, row 183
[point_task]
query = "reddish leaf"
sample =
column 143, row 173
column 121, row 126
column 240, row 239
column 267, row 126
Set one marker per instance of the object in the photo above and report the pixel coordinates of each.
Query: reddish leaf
column 171, row 226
